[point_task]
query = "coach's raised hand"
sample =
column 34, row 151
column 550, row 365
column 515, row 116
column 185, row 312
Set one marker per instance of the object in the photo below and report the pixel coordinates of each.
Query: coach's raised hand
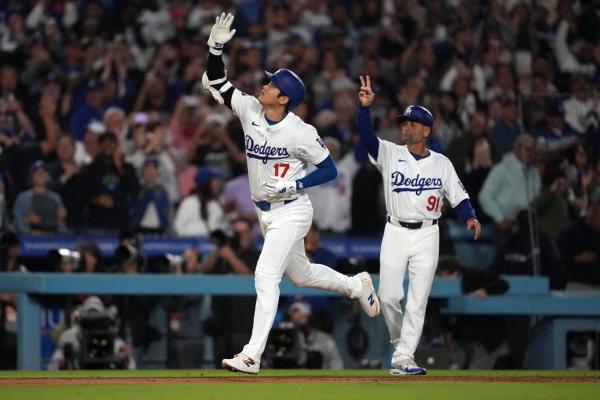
column 365, row 93
column 221, row 32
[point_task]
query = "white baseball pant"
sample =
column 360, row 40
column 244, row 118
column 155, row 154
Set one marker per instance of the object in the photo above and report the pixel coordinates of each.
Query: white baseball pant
column 417, row 250
column 284, row 229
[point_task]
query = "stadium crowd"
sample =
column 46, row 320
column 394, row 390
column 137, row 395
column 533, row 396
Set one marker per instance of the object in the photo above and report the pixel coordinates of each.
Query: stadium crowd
column 105, row 127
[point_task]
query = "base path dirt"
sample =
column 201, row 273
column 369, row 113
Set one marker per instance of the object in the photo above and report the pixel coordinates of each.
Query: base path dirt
column 258, row 379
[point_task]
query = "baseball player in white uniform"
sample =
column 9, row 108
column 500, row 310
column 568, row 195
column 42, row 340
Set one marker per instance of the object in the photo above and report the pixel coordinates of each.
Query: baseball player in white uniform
column 416, row 180
column 279, row 145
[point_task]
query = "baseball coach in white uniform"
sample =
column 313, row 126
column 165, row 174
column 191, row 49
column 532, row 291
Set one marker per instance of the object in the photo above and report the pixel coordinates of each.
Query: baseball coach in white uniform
column 415, row 181
column 279, row 146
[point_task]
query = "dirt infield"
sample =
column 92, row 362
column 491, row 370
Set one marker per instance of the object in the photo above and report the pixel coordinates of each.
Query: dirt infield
column 252, row 379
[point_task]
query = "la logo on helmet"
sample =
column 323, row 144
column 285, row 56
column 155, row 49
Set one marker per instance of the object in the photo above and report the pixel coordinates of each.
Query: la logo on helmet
column 408, row 110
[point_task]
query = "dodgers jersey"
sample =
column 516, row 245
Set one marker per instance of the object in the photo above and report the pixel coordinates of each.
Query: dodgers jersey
column 279, row 151
column 414, row 189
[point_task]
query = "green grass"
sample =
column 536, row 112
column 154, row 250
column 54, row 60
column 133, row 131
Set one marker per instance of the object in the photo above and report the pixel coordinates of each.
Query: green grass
column 401, row 388
column 279, row 391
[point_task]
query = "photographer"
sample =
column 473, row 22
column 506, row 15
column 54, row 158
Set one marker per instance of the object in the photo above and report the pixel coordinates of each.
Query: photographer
column 64, row 261
column 135, row 325
column 91, row 258
column 92, row 342
column 237, row 255
column 321, row 348
column 186, row 335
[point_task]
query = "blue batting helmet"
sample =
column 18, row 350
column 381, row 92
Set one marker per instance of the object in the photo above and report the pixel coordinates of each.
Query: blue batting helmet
column 289, row 84
column 418, row 114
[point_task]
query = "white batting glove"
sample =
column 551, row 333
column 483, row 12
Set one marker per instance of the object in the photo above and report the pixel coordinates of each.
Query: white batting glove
column 221, row 32
column 206, row 84
column 280, row 187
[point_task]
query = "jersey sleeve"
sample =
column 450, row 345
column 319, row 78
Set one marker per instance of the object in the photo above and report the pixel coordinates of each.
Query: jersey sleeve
column 241, row 103
column 454, row 190
column 311, row 147
column 384, row 154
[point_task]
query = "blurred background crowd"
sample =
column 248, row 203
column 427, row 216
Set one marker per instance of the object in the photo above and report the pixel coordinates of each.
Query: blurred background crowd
column 105, row 128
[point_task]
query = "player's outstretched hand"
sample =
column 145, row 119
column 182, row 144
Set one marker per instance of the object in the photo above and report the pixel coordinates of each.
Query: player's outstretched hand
column 279, row 187
column 221, row 32
column 473, row 224
column 365, row 93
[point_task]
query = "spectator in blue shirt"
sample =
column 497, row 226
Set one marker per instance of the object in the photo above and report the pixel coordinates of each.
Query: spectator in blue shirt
column 504, row 134
column 91, row 110
column 557, row 133
column 39, row 211
column 151, row 210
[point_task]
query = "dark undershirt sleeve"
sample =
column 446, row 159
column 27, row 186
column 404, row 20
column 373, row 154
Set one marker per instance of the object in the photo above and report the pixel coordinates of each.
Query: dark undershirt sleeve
column 215, row 69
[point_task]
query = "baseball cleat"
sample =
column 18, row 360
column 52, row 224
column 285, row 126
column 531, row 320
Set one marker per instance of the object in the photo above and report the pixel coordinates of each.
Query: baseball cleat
column 368, row 299
column 241, row 363
column 407, row 367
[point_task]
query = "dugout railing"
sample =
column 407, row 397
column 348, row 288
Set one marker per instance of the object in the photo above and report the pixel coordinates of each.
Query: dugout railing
column 527, row 296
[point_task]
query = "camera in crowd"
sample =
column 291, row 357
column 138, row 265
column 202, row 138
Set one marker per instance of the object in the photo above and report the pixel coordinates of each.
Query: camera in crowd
column 167, row 264
column 64, row 260
column 92, row 345
column 221, row 238
column 129, row 259
column 286, row 347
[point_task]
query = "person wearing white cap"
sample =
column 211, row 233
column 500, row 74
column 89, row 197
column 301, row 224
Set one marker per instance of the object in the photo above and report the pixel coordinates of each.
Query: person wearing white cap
column 88, row 149
column 320, row 343
column 115, row 121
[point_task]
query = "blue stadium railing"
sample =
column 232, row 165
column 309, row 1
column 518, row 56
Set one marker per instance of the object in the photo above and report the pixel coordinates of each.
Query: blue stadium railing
column 39, row 246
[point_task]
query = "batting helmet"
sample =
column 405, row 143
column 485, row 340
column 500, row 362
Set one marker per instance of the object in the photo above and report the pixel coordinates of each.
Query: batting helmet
column 289, row 84
column 418, row 114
